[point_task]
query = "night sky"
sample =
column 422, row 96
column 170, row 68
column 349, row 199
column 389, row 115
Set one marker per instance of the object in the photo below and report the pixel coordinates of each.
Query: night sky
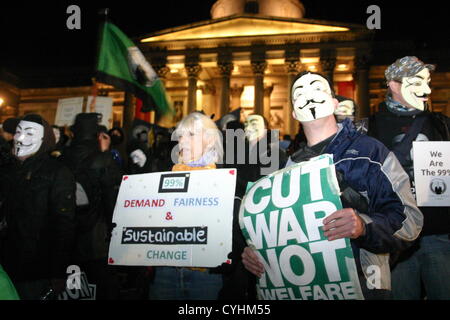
column 34, row 35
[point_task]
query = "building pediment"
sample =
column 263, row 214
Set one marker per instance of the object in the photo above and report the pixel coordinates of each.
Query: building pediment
column 245, row 26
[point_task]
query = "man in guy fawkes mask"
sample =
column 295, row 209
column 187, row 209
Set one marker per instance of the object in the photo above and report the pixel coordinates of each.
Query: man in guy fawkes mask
column 40, row 212
column 263, row 153
column 377, row 216
column 140, row 159
column 403, row 118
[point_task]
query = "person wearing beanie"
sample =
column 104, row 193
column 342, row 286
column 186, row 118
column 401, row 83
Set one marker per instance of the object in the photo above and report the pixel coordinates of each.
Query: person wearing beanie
column 40, row 213
column 402, row 118
column 97, row 179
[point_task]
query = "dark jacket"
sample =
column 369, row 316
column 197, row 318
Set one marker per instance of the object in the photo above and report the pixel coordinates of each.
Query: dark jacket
column 389, row 128
column 392, row 219
column 40, row 211
column 100, row 177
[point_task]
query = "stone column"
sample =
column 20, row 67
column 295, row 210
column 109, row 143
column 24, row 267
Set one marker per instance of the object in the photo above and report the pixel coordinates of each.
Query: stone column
column 161, row 71
column 328, row 63
column 293, row 68
column 362, row 84
column 209, row 106
column 158, row 60
column 267, row 92
column 225, row 69
column 258, row 68
column 192, row 70
column 236, row 93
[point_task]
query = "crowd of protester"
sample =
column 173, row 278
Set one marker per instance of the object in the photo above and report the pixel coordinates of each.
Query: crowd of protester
column 58, row 188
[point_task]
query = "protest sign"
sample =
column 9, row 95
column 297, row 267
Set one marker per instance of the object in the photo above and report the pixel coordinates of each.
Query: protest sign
column 67, row 110
column 432, row 173
column 104, row 106
column 174, row 219
column 281, row 217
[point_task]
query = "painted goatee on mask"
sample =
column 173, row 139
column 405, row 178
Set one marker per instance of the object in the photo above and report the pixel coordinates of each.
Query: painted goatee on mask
column 415, row 90
column 28, row 138
column 254, row 127
column 312, row 98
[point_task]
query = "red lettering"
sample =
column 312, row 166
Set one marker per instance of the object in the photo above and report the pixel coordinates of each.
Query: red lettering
column 144, row 203
column 140, row 203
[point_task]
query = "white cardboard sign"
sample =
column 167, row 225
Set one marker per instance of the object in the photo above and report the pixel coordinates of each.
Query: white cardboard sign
column 432, row 173
column 104, row 106
column 67, row 110
column 174, row 219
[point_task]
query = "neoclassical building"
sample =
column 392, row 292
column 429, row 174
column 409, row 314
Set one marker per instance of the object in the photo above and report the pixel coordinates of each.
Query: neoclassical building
column 247, row 54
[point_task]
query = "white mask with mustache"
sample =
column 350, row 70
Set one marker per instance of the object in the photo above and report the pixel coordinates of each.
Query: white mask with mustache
column 254, row 127
column 28, row 139
column 138, row 157
column 312, row 98
column 415, row 90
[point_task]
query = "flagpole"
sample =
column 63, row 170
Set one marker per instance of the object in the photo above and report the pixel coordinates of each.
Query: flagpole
column 103, row 13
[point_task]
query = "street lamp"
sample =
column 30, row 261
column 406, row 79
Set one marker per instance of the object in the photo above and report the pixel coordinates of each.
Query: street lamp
column 1, row 101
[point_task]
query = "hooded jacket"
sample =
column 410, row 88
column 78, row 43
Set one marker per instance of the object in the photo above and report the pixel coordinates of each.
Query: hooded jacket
column 40, row 211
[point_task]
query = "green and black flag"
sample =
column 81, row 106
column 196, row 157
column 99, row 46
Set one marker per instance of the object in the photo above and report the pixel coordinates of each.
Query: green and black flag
column 122, row 65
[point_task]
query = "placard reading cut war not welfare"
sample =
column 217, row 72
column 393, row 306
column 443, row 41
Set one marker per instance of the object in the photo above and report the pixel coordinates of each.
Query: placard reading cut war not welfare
column 174, row 219
column 281, row 217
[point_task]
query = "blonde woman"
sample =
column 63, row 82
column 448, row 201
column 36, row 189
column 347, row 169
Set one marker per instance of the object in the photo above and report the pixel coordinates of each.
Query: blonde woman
column 199, row 143
column 200, row 148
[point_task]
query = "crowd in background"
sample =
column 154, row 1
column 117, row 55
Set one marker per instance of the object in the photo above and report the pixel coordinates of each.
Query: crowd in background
column 57, row 200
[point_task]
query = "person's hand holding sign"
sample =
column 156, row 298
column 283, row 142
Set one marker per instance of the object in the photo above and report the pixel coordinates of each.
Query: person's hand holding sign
column 251, row 262
column 345, row 223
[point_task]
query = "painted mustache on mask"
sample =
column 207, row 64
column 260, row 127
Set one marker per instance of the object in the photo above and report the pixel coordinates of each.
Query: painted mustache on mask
column 20, row 144
column 312, row 101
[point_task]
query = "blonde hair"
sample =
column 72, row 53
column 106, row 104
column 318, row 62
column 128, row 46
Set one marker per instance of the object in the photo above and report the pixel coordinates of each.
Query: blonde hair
column 197, row 121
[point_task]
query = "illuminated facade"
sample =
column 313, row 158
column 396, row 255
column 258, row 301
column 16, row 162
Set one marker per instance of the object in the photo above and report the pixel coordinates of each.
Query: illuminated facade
column 247, row 55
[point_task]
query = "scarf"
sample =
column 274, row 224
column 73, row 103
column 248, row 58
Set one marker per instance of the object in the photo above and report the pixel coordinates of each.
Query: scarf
column 204, row 163
column 395, row 107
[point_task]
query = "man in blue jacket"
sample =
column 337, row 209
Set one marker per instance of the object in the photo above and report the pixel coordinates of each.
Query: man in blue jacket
column 379, row 214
